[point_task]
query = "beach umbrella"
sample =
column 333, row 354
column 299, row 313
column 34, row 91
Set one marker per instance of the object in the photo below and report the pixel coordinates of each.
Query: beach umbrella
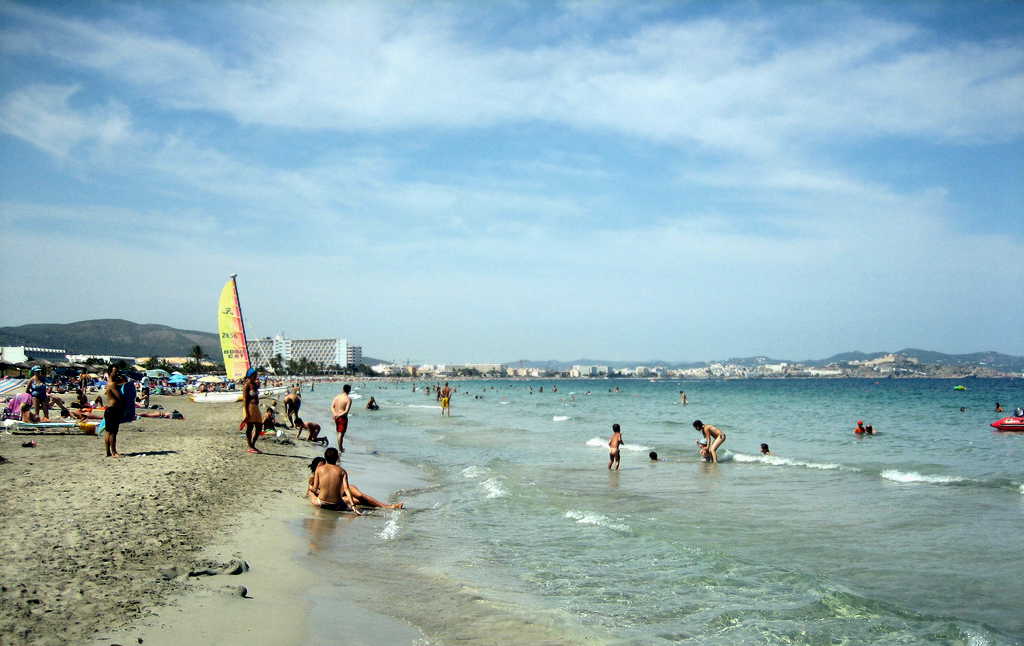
column 177, row 379
column 158, row 374
column 211, row 379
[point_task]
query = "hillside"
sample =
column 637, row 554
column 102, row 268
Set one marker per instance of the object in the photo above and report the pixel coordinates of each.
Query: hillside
column 112, row 336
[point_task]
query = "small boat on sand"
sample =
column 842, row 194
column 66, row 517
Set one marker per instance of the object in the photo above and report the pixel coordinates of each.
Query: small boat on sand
column 1009, row 424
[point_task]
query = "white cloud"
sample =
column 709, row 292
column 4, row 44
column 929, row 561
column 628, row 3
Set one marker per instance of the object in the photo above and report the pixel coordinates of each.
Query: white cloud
column 41, row 114
column 737, row 85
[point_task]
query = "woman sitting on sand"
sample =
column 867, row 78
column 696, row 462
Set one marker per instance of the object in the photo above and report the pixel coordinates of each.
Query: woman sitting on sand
column 270, row 419
column 27, row 415
column 317, row 461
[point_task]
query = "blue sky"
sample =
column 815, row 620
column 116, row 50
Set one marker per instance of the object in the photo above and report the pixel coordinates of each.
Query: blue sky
column 494, row 181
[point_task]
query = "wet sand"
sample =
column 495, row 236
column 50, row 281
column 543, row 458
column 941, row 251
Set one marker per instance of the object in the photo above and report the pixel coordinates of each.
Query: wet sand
column 93, row 545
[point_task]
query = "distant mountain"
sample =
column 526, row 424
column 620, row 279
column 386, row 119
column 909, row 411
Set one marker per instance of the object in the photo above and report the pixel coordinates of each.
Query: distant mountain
column 113, row 336
column 991, row 359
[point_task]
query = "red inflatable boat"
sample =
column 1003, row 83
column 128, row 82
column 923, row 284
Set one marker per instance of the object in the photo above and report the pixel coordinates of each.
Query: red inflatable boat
column 1009, row 424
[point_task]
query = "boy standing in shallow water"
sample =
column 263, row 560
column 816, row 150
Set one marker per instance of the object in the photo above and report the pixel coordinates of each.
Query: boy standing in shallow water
column 613, row 447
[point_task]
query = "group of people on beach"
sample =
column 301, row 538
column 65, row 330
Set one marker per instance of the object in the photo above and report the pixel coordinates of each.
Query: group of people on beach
column 117, row 404
column 328, row 487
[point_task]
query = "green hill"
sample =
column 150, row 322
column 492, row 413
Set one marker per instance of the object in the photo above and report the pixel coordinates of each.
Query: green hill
column 112, row 336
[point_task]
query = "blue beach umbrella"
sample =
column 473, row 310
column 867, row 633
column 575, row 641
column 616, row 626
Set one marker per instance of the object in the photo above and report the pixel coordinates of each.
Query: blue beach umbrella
column 177, row 379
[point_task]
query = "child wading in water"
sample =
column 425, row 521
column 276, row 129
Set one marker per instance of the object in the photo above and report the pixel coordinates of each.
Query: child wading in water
column 613, row 447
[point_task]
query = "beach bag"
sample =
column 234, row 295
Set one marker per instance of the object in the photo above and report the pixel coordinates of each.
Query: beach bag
column 128, row 390
column 176, row 415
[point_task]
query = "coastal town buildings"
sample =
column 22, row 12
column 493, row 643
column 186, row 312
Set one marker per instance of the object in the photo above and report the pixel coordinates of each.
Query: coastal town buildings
column 105, row 358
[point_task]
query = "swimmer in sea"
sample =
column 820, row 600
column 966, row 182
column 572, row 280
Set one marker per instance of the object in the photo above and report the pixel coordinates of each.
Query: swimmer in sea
column 999, row 408
column 613, row 447
column 860, row 430
column 764, row 449
column 714, row 437
column 653, row 455
column 445, row 397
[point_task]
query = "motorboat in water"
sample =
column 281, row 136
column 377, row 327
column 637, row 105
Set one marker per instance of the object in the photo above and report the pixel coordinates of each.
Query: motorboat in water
column 1009, row 424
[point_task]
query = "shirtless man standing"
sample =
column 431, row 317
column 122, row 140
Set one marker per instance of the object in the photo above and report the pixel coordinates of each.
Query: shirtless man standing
column 713, row 436
column 340, row 407
column 292, row 403
column 333, row 490
column 115, row 405
column 445, row 396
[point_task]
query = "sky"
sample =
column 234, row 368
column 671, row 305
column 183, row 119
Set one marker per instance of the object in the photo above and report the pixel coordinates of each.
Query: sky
column 464, row 181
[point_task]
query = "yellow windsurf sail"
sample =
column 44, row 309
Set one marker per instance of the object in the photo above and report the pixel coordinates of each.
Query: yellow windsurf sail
column 232, row 332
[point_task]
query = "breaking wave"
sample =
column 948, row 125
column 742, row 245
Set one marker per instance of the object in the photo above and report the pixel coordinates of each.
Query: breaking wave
column 596, row 519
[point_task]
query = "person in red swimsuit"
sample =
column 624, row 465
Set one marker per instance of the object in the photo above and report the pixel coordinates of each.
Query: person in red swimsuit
column 340, row 407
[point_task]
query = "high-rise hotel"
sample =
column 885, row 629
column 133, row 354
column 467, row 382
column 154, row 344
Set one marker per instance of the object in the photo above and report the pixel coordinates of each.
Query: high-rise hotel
column 323, row 352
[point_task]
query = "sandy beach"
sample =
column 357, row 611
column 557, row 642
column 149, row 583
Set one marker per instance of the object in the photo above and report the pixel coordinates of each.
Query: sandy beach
column 94, row 546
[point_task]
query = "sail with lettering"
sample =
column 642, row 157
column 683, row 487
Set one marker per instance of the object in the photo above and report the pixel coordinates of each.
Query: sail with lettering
column 232, row 331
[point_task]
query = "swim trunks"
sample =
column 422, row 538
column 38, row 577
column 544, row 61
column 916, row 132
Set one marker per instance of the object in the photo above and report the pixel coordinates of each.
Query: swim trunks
column 112, row 420
column 341, row 423
column 334, row 506
column 444, row 402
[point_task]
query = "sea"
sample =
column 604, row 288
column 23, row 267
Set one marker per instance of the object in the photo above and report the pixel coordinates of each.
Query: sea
column 516, row 532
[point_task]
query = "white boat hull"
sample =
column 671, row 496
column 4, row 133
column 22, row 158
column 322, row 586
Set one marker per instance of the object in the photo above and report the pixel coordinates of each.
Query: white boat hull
column 232, row 395
column 216, row 397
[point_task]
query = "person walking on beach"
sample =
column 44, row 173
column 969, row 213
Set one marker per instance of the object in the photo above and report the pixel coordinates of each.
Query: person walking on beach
column 292, row 403
column 251, row 416
column 713, row 436
column 445, row 396
column 340, row 407
column 36, row 386
column 613, row 447
column 113, row 398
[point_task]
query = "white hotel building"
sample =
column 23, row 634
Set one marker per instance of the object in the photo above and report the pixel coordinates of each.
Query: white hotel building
column 325, row 352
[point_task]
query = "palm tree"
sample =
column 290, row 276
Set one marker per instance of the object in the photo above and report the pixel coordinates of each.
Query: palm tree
column 197, row 354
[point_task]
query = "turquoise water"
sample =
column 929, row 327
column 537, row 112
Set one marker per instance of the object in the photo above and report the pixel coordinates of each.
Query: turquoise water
column 522, row 536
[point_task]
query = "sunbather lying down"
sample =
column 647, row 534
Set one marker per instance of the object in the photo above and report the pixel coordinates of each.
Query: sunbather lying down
column 90, row 413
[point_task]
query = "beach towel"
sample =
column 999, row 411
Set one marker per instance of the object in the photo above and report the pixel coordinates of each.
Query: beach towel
column 128, row 391
column 13, row 410
column 11, row 385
